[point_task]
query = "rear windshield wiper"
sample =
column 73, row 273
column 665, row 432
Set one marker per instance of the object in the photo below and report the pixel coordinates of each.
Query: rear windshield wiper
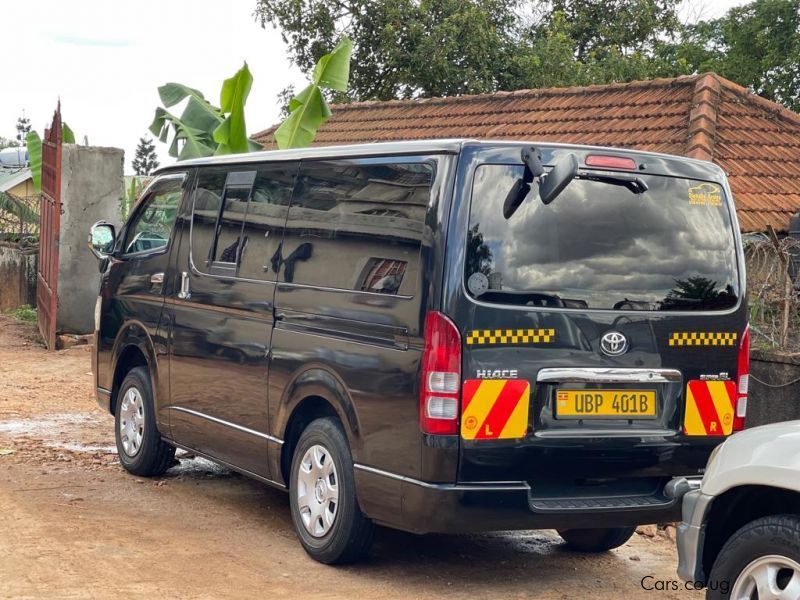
column 635, row 184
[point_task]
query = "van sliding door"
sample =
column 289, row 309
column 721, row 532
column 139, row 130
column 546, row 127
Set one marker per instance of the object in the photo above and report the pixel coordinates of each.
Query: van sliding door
column 223, row 312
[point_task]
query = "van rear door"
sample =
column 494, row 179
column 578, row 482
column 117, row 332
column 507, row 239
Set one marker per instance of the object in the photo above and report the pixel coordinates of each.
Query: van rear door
column 601, row 333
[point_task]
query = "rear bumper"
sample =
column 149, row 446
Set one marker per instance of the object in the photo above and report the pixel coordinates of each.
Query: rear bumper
column 468, row 508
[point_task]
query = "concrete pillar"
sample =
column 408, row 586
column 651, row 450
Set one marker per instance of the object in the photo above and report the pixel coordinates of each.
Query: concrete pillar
column 91, row 188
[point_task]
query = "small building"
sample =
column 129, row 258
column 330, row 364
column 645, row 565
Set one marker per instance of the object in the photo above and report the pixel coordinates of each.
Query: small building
column 17, row 182
column 757, row 142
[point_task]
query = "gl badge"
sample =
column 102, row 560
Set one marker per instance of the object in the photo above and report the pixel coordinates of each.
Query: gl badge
column 613, row 343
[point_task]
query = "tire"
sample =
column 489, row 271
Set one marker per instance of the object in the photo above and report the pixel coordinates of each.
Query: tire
column 774, row 541
column 596, row 540
column 139, row 445
column 322, row 494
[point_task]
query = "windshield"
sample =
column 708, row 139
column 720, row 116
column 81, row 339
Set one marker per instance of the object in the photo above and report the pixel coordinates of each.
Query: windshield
column 599, row 246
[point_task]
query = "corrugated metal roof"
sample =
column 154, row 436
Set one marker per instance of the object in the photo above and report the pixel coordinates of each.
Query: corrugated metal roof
column 10, row 178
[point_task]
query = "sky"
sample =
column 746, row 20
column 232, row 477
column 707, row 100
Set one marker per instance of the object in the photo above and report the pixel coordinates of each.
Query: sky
column 105, row 60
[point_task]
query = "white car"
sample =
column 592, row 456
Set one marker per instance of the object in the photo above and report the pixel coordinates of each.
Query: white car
column 740, row 535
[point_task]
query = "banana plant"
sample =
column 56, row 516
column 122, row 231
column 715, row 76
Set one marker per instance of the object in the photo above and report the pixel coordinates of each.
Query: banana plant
column 309, row 109
column 34, row 143
column 203, row 129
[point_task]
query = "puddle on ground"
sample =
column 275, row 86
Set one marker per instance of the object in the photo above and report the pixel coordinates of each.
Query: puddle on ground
column 78, row 447
column 55, row 431
column 54, row 428
column 46, row 426
column 196, row 466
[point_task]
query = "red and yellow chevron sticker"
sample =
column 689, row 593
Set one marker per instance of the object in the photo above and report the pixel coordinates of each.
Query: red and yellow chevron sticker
column 709, row 407
column 495, row 409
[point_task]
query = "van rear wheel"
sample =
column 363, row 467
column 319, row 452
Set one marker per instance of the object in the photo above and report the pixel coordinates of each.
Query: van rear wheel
column 322, row 494
column 596, row 540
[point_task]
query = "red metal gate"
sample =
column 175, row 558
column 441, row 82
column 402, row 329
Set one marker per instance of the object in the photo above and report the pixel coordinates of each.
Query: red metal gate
column 49, row 226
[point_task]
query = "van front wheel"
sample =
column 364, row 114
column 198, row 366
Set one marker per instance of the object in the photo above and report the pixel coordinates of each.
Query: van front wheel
column 139, row 445
column 596, row 540
column 322, row 494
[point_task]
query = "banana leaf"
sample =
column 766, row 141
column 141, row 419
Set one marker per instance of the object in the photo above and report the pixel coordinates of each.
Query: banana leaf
column 310, row 111
column 67, row 136
column 231, row 134
column 333, row 70
column 187, row 141
column 34, row 143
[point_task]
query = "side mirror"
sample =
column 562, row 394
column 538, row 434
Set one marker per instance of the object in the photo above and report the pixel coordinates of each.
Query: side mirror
column 552, row 184
column 102, row 239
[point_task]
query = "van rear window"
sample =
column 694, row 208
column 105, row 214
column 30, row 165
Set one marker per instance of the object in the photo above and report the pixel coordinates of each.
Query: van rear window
column 600, row 246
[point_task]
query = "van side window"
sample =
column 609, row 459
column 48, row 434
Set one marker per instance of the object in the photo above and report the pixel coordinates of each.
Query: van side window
column 357, row 226
column 264, row 221
column 150, row 229
column 220, row 204
column 228, row 243
column 207, row 202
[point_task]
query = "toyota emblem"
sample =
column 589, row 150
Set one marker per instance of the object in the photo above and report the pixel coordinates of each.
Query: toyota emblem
column 614, row 343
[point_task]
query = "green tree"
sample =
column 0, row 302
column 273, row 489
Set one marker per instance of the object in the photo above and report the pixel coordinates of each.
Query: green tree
column 23, row 127
column 757, row 45
column 420, row 48
column 600, row 28
column 402, row 48
column 145, row 160
column 423, row 48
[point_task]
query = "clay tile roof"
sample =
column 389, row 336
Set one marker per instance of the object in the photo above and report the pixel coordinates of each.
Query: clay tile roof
column 756, row 141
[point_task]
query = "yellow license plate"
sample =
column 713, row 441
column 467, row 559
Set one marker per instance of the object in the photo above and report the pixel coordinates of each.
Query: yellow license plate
column 626, row 404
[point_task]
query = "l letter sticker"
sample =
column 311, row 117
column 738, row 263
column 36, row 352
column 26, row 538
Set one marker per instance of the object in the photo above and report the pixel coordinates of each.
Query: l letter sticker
column 495, row 409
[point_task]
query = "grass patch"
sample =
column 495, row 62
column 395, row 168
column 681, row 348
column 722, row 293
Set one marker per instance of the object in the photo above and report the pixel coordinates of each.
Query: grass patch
column 23, row 313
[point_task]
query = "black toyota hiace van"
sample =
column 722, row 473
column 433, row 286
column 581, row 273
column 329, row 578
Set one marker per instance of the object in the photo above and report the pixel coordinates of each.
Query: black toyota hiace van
column 436, row 336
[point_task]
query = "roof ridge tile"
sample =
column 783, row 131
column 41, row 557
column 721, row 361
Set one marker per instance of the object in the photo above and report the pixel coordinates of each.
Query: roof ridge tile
column 702, row 130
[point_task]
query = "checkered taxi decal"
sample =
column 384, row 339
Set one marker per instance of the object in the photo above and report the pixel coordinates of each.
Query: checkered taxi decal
column 695, row 338
column 478, row 337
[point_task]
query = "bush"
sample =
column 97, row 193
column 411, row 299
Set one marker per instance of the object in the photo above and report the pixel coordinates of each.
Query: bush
column 24, row 313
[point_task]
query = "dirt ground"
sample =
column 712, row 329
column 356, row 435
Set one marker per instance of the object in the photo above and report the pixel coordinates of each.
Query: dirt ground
column 73, row 524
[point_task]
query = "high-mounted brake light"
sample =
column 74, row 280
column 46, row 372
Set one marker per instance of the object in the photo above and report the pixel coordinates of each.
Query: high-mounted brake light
column 611, row 162
column 742, row 380
column 440, row 388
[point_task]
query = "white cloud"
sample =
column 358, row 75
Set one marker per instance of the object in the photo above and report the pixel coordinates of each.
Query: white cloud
column 105, row 60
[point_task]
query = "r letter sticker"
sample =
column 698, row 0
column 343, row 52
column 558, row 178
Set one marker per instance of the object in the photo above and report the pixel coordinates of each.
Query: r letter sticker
column 495, row 409
column 709, row 407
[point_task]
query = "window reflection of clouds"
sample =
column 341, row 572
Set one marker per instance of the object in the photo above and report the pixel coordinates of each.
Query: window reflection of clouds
column 600, row 242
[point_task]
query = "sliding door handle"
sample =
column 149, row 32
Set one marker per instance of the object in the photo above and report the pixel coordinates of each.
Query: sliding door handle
column 185, row 292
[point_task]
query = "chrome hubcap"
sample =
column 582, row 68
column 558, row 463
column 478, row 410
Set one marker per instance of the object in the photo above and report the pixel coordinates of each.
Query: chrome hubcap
column 317, row 490
column 770, row 577
column 131, row 421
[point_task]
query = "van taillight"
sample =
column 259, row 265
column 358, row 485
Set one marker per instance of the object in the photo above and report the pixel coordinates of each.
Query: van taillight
column 742, row 380
column 440, row 388
column 611, row 162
